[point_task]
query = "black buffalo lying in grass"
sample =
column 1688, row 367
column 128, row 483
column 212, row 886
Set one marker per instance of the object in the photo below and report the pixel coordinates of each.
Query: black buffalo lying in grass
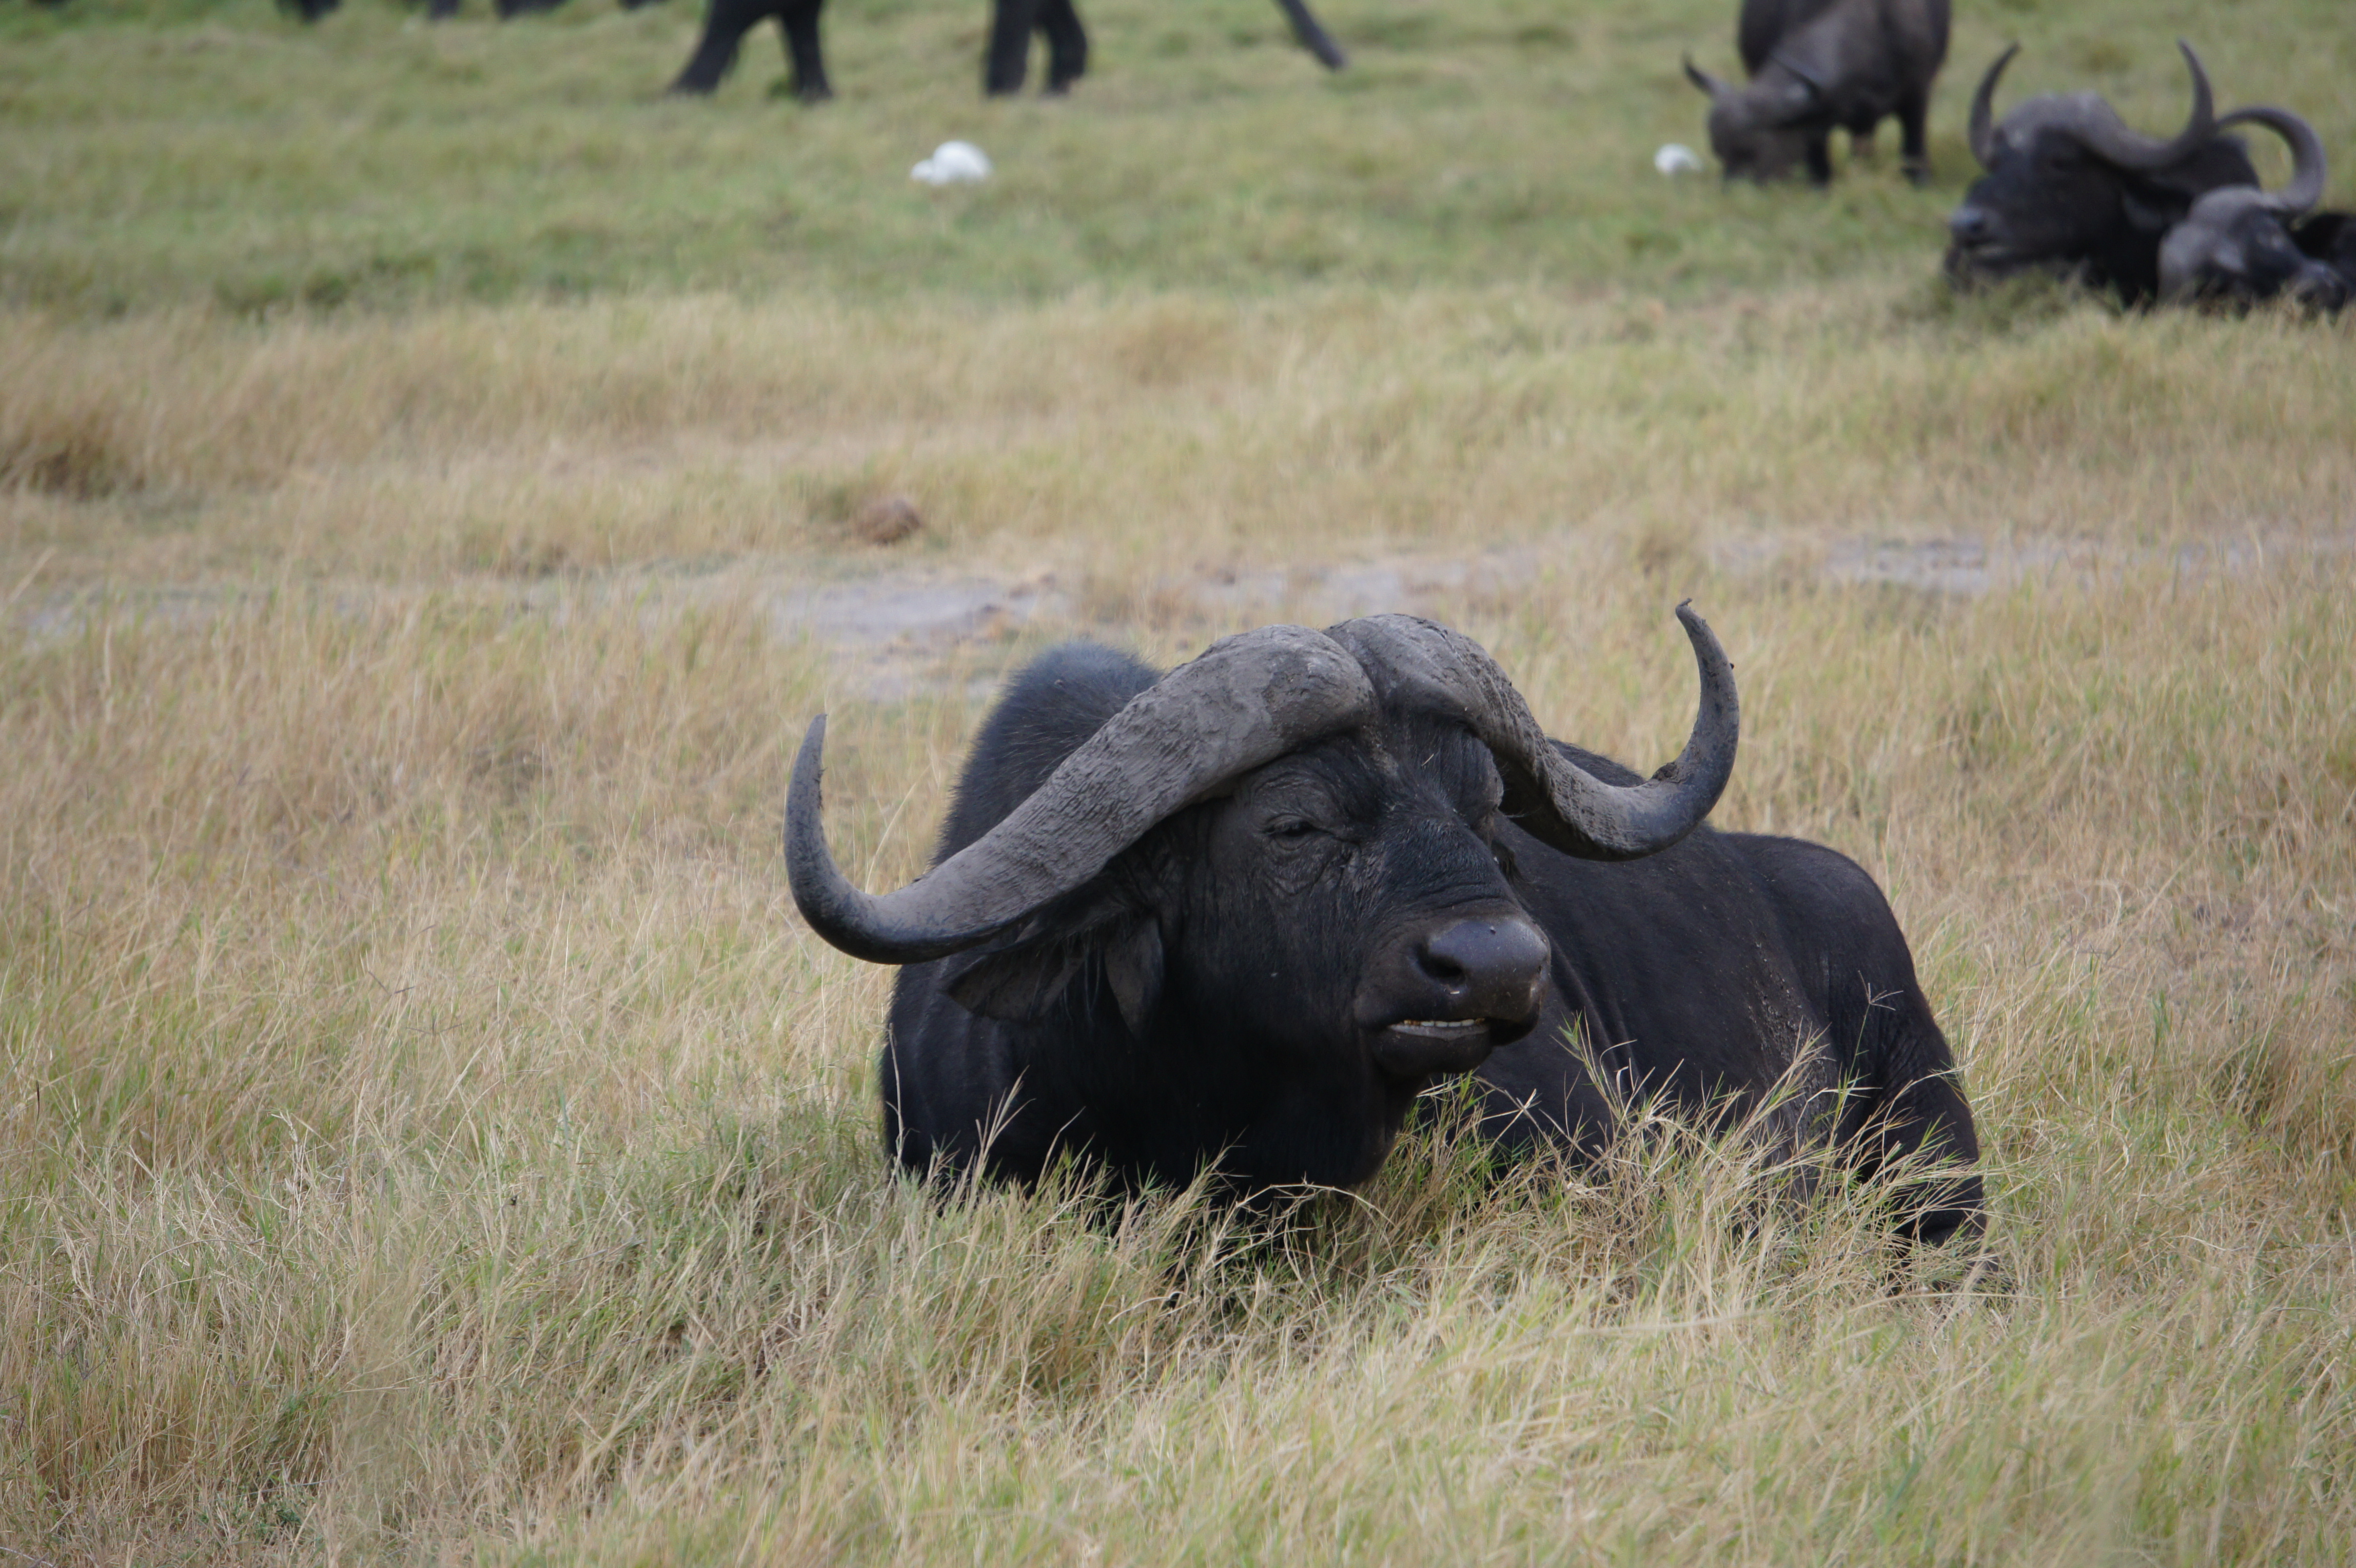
column 1238, row 916
column 2071, row 190
column 1004, row 63
column 1816, row 66
column 2242, row 246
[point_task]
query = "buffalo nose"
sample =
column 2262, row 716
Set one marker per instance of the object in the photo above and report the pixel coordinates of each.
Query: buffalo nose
column 1969, row 225
column 1491, row 967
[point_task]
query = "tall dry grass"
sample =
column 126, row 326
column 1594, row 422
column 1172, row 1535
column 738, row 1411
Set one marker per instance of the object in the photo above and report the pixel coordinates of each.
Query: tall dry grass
column 436, row 1137
column 1149, row 435
column 430, row 1135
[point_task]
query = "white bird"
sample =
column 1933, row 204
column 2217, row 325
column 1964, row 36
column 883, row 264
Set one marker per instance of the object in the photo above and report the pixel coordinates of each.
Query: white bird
column 953, row 163
column 1676, row 158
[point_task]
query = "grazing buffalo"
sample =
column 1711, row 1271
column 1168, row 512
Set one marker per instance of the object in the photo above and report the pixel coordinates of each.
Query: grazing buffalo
column 2070, row 189
column 2237, row 246
column 1238, row 916
column 1819, row 65
column 1004, row 63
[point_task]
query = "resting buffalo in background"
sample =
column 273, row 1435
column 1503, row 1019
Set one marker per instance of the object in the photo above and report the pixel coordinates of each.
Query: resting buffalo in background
column 2237, row 245
column 2070, row 189
column 1239, row 915
column 1820, row 65
column 1004, row 63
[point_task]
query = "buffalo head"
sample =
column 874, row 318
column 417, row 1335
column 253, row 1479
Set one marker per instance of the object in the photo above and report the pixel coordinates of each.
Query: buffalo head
column 2236, row 244
column 1763, row 131
column 1284, row 857
column 2069, row 188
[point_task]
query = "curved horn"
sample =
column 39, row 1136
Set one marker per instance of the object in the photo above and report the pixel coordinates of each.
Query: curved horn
column 1553, row 798
column 1707, row 82
column 2108, row 139
column 1247, row 699
column 2307, row 167
column 1983, row 105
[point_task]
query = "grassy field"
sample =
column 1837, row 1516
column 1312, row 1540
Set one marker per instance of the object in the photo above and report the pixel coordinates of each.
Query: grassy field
column 429, row 1134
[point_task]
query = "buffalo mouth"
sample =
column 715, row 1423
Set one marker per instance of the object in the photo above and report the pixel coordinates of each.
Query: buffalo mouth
column 1423, row 1047
column 1990, row 258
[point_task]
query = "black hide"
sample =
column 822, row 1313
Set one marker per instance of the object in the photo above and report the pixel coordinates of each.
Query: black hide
column 2249, row 256
column 1818, row 66
column 1231, row 989
column 724, row 26
column 2329, row 238
column 1005, row 58
column 2048, row 204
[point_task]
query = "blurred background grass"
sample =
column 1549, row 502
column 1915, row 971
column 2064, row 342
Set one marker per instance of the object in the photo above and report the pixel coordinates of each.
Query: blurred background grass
column 216, row 151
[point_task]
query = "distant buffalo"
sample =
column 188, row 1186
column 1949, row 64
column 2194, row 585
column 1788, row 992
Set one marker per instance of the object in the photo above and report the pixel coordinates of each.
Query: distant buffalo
column 2239, row 244
column 1004, row 62
column 1816, row 66
column 1235, row 917
column 2070, row 189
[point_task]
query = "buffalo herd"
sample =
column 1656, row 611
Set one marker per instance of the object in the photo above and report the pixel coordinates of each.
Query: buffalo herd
column 1233, row 920
column 2068, row 189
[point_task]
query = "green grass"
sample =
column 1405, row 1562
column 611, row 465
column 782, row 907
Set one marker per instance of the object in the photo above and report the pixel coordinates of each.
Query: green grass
column 221, row 152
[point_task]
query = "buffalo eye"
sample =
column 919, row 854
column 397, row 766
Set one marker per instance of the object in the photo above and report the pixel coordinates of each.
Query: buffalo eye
column 1292, row 830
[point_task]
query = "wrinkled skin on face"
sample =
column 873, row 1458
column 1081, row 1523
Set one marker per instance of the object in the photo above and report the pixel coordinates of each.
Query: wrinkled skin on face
column 1381, row 948
column 2047, row 203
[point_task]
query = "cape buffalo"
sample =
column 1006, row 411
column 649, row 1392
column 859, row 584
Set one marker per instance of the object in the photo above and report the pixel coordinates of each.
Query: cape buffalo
column 1237, row 915
column 1005, row 61
column 1818, row 64
column 2236, row 244
column 2068, row 189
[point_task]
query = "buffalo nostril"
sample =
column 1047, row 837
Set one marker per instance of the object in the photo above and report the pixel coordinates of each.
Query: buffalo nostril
column 1491, row 966
column 1444, row 967
column 1969, row 225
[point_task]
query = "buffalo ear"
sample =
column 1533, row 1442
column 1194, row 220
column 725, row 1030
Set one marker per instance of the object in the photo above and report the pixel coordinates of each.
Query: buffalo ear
column 1132, row 962
column 1017, row 984
column 1022, row 983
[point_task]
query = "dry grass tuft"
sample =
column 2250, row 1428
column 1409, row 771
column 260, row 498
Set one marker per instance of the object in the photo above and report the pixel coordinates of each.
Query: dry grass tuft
column 80, row 453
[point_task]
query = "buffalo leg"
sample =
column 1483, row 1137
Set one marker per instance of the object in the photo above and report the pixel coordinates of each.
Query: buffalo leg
column 1928, row 1121
column 1820, row 158
column 1312, row 34
column 1913, row 149
column 1912, row 1115
column 724, row 26
column 1008, row 59
column 799, row 20
column 1068, row 44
